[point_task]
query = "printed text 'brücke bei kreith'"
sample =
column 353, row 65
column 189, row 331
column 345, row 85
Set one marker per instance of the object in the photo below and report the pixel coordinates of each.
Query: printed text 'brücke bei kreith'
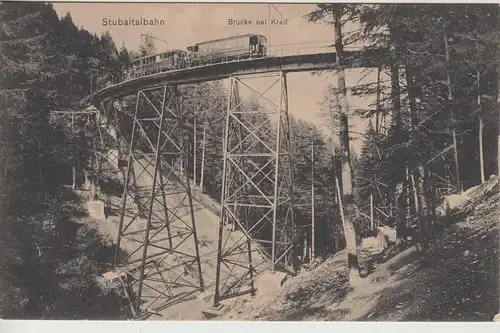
column 257, row 22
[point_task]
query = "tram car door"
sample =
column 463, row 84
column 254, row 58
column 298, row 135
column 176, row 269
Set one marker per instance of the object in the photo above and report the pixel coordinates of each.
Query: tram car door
column 254, row 46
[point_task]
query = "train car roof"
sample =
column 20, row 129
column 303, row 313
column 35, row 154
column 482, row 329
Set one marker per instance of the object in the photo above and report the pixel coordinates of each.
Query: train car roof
column 225, row 38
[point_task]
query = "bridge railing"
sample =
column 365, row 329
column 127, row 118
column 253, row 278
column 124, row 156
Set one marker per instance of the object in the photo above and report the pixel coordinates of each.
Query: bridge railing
column 272, row 51
column 305, row 48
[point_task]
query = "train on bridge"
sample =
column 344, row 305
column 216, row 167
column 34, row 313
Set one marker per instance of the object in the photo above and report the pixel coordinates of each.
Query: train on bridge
column 234, row 48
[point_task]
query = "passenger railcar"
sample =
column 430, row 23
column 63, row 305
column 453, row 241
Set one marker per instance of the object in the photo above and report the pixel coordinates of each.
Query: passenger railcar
column 160, row 62
column 210, row 52
column 227, row 49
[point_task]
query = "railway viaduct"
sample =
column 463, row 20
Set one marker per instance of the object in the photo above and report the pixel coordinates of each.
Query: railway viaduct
column 157, row 221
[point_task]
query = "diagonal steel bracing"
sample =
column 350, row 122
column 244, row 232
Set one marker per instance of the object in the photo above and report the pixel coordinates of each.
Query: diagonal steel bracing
column 109, row 149
column 157, row 227
column 257, row 197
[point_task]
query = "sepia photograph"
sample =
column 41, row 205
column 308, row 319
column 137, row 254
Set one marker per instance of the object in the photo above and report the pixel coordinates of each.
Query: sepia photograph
column 249, row 161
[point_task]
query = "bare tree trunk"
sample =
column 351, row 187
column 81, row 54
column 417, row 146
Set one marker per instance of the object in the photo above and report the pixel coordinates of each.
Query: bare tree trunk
column 479, row 106
column 420, row 196
column 379, row 107
column 481, row 153
column 335, row 199
column 498, row 125
column 347, row 193
column 431, row 199
column 203, row 155
column 305, row 249
column 313, row 205
column 371, row 210
column 400, row 178
column 424, row 208
column 453, row 131
column 74, row 177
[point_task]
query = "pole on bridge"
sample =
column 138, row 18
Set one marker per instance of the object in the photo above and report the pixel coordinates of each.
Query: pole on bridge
column 269, row 26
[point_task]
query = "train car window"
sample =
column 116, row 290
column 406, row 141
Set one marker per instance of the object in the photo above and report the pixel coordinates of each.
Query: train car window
column 254, row 40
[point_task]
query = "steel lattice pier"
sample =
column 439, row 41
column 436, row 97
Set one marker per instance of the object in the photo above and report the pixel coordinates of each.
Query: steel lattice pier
column 257, row 197
column 157, row 229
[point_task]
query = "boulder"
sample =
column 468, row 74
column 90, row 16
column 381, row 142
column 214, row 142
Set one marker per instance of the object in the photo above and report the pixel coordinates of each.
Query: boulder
column 95, row 209
column 269, row 282
column 388, row 233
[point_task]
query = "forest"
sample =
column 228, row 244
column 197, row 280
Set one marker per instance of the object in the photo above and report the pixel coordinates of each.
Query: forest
column 433, row 130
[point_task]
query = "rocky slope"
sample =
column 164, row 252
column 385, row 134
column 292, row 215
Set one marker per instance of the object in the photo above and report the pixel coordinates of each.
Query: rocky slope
column 457, row 281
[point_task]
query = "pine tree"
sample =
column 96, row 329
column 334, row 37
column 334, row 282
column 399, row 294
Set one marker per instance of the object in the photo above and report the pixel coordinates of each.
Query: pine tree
column 336, row 14
column 147, row 47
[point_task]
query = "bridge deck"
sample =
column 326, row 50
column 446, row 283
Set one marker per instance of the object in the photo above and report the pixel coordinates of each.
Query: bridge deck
column 289, row 64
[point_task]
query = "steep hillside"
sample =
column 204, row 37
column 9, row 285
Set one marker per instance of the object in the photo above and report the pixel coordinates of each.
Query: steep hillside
column 457, row 281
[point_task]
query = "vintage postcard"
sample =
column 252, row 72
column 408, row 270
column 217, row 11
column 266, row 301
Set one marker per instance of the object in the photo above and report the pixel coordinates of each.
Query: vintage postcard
column 252, row 161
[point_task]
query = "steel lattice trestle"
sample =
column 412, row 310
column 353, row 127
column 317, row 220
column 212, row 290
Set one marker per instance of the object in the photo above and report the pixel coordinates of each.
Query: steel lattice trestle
column 157, row 226
column 256, row 226
column 109, row 146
